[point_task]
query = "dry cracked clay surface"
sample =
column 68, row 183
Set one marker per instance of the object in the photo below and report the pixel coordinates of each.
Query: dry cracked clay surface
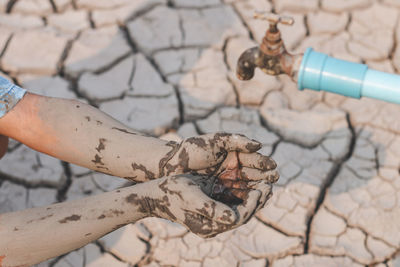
column 171, row 67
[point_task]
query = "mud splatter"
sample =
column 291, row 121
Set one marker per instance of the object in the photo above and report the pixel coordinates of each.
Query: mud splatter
column 203, row 226
column 219, row 137
column 164, row 187
column 148, row 174
column 163, row 162
column 87, row 118
column 110, row 214
column 45, row 217
column 101, row 145
column 252, row 147
column 97, row 160
column 131, row 198
column 117, row 212
column 227, row 216
column 152, row 206
column 183, row 164
column 198, row 141
column 184, row 160
column 70, row 218
column 267, row 164
column 204, row 211
column 170, row 168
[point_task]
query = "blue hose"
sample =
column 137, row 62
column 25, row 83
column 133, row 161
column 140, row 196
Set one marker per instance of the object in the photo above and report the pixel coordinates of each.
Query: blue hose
column 319, row 71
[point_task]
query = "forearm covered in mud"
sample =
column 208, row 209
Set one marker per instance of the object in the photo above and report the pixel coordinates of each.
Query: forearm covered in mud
column 81, row 134
column 34, row 235
column 30, row 236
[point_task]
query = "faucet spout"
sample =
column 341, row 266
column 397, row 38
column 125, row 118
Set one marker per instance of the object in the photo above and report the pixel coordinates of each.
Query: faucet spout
column 252, row 58
column 247, row 63
column 271, row 57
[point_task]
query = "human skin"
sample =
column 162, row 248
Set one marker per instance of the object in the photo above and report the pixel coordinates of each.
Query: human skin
column 34, row 235
column 78, row 133
column 81, row 134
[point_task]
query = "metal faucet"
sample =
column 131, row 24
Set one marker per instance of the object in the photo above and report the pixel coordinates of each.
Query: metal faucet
column 271, row 57
column 314, row 70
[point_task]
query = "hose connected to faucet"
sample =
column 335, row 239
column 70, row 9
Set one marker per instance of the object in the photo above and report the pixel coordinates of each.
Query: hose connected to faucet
column 314, row 70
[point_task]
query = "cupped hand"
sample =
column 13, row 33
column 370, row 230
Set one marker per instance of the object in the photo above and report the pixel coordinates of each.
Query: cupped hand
column 185, row 199
column 238, row 172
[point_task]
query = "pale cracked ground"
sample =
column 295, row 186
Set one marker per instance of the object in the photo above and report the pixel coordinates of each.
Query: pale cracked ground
column 167, row 68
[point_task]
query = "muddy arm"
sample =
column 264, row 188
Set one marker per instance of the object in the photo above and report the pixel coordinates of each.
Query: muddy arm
column 81, row 134
column 31, row 236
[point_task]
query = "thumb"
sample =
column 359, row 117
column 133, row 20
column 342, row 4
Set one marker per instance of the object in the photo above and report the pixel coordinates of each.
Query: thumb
column 248, row 207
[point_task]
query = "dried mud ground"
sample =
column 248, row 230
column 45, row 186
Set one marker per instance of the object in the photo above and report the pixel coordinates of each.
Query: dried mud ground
column 167, row 68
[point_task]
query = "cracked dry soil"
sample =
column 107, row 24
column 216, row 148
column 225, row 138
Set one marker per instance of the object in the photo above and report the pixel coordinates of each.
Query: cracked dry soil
column 171, row 64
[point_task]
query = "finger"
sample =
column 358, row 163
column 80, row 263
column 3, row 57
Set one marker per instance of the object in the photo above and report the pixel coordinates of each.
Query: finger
column 248, row 208
column 257, row 175
column 231, row 161
column 257, row 161
column 236, row 142
column 266, row 192
column 230, row 167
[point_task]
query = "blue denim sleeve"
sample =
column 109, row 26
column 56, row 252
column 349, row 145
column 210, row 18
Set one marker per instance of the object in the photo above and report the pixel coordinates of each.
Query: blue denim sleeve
column 10, row 94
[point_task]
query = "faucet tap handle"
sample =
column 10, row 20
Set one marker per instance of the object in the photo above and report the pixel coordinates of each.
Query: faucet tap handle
column 273, row 19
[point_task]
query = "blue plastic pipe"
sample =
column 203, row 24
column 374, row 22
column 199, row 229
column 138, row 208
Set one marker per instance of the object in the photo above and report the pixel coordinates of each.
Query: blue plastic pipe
column 319, row 71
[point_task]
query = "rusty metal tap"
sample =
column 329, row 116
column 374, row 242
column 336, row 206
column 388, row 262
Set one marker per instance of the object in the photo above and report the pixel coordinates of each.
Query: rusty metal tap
column 271, row 57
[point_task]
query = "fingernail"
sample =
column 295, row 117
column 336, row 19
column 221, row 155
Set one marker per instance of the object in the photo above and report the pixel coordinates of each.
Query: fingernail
column 254, row 146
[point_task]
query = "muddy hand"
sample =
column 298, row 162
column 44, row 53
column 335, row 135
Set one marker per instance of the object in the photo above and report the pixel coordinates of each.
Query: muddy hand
column 238, row 171
column 203, row 154
column 255, row 198
column 185, row 199
column 181, row 199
